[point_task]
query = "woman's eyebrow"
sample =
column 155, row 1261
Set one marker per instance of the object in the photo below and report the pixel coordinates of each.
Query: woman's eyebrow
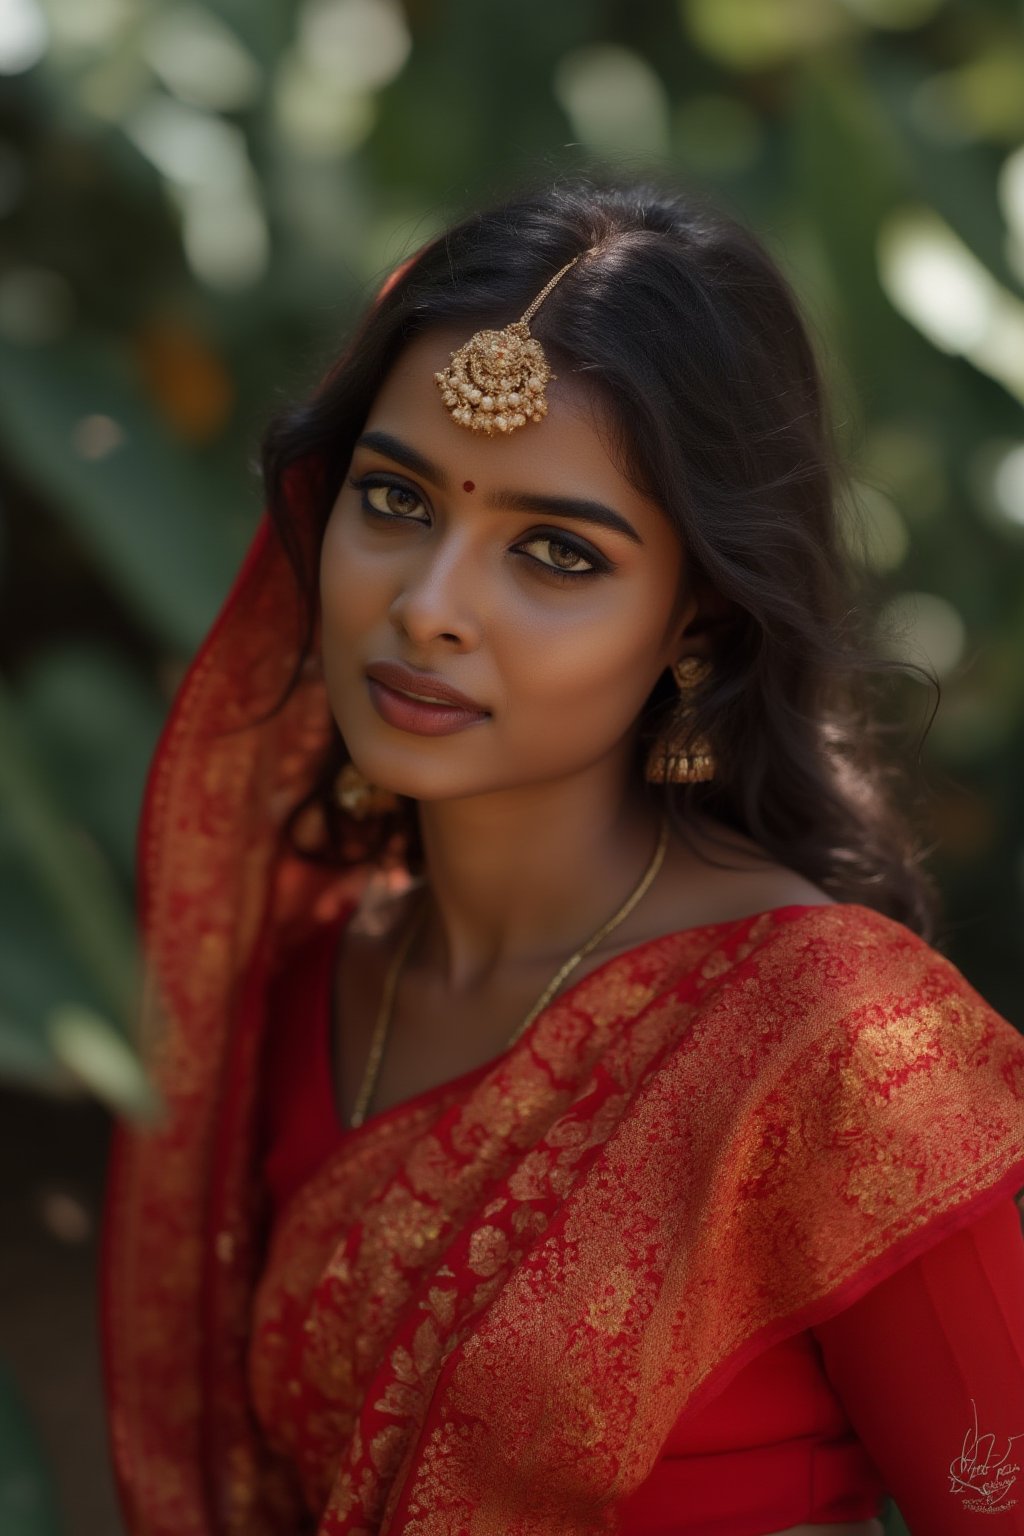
column 394, row 448
column 506, row 501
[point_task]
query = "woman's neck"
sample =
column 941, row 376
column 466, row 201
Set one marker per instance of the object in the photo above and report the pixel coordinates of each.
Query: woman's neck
column 508, row 892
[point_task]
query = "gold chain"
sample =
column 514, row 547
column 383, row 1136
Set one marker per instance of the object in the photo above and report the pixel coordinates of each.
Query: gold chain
column 532, row 309
column 391, row 979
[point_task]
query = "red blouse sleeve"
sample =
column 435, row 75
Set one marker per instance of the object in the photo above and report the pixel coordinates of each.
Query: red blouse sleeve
column 929, row 1366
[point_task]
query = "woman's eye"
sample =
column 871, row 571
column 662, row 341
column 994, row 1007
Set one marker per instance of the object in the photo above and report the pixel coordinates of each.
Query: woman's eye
column 566, row 557
column 389, row 500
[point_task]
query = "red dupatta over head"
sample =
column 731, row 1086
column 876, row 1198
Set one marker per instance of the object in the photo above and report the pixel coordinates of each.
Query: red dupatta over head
column 718, row 1139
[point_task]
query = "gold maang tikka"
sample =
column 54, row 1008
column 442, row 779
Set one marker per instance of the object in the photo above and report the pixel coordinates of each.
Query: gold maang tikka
column 495, row 381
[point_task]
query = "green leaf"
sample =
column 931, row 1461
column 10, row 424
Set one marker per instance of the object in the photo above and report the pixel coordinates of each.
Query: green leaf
column 84, row 899
column 94, row 723
column 26, row 1057
column 28, row 1506
column 151, row 517
column 102, row 1059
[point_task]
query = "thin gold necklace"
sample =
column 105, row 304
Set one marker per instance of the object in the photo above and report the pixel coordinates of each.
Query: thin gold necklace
column 391, row 979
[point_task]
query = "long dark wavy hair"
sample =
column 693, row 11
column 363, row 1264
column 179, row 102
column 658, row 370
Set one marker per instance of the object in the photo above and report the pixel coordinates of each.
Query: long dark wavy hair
column 684, row 325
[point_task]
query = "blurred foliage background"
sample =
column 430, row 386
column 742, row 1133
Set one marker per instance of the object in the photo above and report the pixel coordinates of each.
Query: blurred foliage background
column 195, row 200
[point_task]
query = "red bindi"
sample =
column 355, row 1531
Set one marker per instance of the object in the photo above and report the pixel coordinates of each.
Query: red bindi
column 467, row 485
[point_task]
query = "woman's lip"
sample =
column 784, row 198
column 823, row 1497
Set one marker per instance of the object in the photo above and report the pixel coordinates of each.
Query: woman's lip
column 418, row 716
column 433, row 690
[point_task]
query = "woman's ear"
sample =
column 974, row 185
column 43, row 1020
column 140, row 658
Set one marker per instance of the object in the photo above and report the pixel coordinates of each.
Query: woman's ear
column 704, row 614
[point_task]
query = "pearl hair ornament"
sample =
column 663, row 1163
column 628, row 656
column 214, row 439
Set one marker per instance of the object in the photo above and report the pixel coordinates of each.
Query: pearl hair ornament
column 495, row 381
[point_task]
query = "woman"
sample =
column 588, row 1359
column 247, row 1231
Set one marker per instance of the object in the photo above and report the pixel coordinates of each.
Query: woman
column 569, row 1124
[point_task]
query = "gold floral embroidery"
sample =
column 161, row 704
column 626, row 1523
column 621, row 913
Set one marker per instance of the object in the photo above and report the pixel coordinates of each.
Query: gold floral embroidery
column 488, row 1250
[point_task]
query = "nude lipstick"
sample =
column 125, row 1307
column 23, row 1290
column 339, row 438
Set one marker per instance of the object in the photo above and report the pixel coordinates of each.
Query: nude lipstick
column 417, row 716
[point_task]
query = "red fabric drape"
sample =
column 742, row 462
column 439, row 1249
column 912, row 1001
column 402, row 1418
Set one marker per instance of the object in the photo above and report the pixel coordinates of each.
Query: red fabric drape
column 725, row 1137
column 802, row 1432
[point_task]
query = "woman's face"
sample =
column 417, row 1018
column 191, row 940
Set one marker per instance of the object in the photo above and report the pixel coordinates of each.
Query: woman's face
column 445, row 550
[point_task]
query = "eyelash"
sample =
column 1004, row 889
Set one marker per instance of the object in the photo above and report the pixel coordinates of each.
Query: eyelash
column 371, row 482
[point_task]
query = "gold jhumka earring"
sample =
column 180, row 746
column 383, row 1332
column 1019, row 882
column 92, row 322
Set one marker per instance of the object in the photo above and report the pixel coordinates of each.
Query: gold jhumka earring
column 676, row 759
column 361, row 799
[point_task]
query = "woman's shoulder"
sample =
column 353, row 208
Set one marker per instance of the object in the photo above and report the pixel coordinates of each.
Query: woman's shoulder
column 729, row 884
column 858, row 951
column 793, row 935
column 744, row 881
column 870, row 991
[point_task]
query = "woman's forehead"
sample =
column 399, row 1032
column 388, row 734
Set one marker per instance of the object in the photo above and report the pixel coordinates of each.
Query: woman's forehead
column 571, row 451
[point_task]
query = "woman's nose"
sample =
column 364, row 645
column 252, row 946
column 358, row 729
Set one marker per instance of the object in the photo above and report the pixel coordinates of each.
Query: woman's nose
column 441, row 591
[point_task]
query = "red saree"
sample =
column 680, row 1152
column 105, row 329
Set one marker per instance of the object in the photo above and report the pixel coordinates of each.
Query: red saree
column 705, row 1146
